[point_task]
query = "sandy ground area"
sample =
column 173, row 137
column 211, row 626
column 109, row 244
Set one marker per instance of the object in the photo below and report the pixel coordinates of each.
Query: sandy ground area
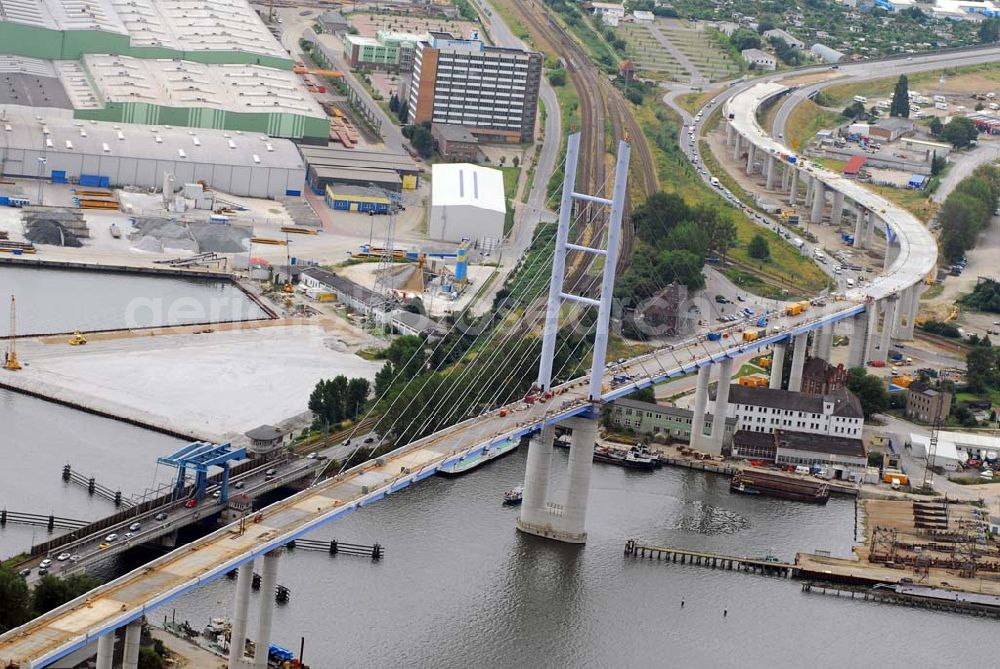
column 222, row 384
column 187, row 654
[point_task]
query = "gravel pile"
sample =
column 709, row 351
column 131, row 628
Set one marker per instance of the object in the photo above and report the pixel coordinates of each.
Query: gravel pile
column 51, row 232
column 215, row 238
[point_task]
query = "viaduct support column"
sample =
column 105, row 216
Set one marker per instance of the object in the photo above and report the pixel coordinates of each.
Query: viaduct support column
column 810, row 185
column 721, row 402
column 133, row 632
column 888, row 325
column 870, row 234
column 730, row 134
column 859, row 217
column 784, row 177
column 105, row 650
column 871, row 332
column 700, row 402
column 777, row 365
column 819, row 200
column 736, row 147
column 581, row 462
column 536, row 478
column 770, row 172
column 801, row 342
column 268, row 580
column 838, row 208
column 793, row 190
column 751, row 151
column 824, row 342
column 856, row 351
column 241, row 603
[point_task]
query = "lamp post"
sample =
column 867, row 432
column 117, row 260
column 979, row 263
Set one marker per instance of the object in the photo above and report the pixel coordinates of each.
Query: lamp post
column 41, row 179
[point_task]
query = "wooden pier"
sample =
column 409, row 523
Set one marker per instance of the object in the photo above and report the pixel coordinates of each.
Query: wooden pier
column 762, row 566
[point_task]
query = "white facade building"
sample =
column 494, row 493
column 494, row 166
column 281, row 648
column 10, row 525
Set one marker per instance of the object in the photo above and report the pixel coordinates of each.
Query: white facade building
column 467, row 203
column 787, row 38
column 838, row 414
column 759, row 59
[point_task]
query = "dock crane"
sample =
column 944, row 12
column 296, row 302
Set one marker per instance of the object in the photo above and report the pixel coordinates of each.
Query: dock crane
column 10, row 362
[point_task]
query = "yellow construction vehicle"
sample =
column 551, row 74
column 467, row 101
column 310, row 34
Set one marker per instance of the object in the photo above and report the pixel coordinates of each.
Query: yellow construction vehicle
column 77, row 339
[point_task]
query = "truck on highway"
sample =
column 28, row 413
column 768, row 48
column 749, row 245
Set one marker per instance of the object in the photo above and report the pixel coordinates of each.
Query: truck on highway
column 750, row 335
column 798, row 243
column 715, row 182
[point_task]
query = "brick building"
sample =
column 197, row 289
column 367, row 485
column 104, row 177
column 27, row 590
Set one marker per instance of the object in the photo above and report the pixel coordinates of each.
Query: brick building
column 820, row 377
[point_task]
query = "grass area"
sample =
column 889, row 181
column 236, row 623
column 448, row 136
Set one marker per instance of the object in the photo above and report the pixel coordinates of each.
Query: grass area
column 747, row 369
column 753, row 284
column 695, row 100
column 510, row 176
column 933, row 292
column 798, row 273
column 914, row 201
column 830, row 164
column 806, row 120
column 569, row 114
column 969, row 77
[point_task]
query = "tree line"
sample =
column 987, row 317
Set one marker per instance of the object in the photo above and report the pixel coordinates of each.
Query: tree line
column 967, row 211
column 19, row 604
column 674, row 240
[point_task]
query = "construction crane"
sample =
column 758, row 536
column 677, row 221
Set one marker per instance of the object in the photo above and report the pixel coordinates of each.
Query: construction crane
column 10, row 362
column 928, row 483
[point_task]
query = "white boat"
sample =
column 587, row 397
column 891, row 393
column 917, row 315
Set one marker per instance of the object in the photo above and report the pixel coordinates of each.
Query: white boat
column 514, row 496
column 470, row 462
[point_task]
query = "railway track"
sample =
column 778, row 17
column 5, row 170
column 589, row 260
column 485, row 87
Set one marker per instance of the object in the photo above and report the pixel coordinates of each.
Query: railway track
column 599, row 103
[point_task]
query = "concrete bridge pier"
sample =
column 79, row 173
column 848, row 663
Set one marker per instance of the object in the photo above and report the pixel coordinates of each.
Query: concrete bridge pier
column 810, row 187
column 859, row 217
column 784, row 178
column 824, row 342
column 268, row 581
column 888, row 320
column 736, row 147
column 106, row 650
column 871, row 332
column 721, row 402
column 799, row 346
column 238, row 634
column 793, row 189
column 133, row 633
column 751, row 155
column 819, row 200
column 730, row 134
column 909, row 308
column 856, row 349
column 777, row 365
column 572, row 528
column 700, row 402
column 536, row 478
column 770, row 172
column 870, row 233
column 837, row 217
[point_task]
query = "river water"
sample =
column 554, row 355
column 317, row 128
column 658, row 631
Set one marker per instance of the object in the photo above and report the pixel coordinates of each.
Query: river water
column 460, row 587
column 56, row 300
column 37, row 438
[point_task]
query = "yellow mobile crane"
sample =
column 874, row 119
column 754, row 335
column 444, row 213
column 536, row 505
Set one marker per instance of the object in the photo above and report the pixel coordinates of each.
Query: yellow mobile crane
column 10, row 360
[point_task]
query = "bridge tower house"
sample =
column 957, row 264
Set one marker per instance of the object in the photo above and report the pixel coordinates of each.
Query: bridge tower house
column 565, row 521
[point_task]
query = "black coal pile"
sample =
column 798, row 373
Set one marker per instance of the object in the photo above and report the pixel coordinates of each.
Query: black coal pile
column 44, row 231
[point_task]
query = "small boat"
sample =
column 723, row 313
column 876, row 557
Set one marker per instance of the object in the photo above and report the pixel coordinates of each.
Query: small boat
column 743, row 489
column 632, row 458
column 115, row 231
column 77, row 339
column 470, row 462
column 514, row 496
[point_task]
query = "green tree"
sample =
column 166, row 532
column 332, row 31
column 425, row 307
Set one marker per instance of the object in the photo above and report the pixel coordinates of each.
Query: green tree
column 557, row 77
column 901, row 98
column 15, row 600
column 150, row 659
column 981, row 368
column 937, row 165
column 870, row 390
column 989, row 30
column 744, row 38
column 644, row 395
column 758, row 248
column 854, row 110
column 936, row 127
column 51, row 591
column 406, row 354
column 960, row 132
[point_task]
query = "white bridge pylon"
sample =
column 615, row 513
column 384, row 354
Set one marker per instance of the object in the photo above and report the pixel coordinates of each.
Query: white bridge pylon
column 565, row 521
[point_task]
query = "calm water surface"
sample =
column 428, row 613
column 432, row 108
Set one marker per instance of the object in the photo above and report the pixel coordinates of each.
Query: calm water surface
column 461, row 588
column 55, row 300
column 37, row 438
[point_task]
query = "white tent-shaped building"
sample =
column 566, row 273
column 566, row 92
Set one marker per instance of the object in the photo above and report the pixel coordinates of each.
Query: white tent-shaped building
column 467, row 203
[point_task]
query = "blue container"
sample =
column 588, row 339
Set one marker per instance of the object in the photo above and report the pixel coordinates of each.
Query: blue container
column 293, row 261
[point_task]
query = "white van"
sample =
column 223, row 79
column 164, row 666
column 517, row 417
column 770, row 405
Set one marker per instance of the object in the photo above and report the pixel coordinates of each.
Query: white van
column 940, row 98
column 715, row 182
column 941, row 105
column 862, row 99
column 802, row 469
column 850, row 283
